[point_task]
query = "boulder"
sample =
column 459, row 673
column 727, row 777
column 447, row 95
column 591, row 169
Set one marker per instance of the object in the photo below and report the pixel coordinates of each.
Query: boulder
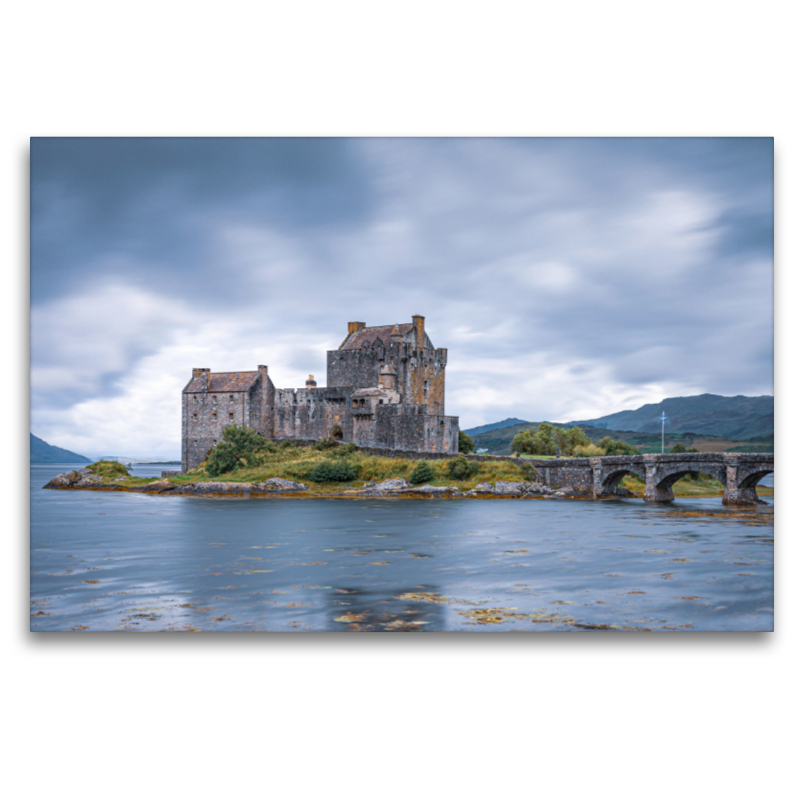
column 279, row 485
column 385, row 487
column 158, row 486
column 64, row 479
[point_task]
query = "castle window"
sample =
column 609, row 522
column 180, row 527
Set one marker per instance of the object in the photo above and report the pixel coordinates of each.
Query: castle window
column 231, row 398
column 194, row 417
column 214, row 415
column 231, row 416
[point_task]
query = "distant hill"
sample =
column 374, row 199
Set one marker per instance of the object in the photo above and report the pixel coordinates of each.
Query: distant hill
column 493, row 426
column 737, row 417
column 44, row 453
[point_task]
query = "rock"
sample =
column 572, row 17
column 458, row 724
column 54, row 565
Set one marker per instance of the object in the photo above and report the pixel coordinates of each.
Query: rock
column 158, row 486
column 279, row 485
column 504, row 488
column 214, row 487
column 427, row 489
column 391, row 485
column 62, row 480
column 168, row 473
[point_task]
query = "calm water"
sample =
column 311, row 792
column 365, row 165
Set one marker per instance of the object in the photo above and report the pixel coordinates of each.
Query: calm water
column 104, row 561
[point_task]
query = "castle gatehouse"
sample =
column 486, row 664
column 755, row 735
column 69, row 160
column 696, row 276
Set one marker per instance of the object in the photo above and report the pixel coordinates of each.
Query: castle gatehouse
column 385, row 389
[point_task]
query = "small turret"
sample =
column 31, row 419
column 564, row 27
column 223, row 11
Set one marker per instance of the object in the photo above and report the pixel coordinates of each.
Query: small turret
column 311, row 383
column 388, row 378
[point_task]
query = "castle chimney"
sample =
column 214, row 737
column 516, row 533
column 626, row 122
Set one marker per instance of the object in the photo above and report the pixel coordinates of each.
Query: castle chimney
column 354, row 327
column 419, row 328
column 311, row 383
column 203, row 373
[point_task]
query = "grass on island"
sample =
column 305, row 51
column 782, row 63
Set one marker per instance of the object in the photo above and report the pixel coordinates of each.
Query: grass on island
column 297, row 463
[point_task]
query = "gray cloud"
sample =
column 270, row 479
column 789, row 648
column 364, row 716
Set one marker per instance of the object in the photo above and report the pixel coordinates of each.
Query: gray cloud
column 567, row 276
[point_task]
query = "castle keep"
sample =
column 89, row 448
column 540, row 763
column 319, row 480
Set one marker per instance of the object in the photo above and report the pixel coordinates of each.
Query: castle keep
column 385, row 389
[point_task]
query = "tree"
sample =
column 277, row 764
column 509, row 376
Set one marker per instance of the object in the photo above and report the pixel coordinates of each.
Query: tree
column 465, row 443
column 678, row 448
column 535, row 443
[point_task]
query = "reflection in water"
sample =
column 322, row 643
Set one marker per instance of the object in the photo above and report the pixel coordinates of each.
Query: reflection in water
column 114, row 561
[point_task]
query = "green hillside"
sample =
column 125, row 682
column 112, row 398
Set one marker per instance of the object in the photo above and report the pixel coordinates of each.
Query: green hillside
column 498, row 442
column 44, row 453
column 506, row 423
column 737, row 417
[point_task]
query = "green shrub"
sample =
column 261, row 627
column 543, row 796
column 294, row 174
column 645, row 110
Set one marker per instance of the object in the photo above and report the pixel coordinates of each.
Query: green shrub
column 325, row 444
column 616, row 447
column 422, row 473
column 333, row 472
column 678, row 448
column 460, row 469
column 343, row 450
column 238, row 443
column 286, row 444
column 465, row 443
column 109, row 469
column 588, row 451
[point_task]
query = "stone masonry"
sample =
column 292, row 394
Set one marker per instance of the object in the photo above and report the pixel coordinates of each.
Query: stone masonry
column 385, row 390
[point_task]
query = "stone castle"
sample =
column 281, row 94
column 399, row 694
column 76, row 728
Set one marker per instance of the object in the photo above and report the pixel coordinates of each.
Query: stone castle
column 385, row 390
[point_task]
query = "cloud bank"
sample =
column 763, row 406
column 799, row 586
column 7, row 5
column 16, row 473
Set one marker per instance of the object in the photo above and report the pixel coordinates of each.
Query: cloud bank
column 569, row 278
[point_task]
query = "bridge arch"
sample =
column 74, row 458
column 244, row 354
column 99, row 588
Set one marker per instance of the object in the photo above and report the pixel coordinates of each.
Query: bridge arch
column 612, row 477
column 751, row 479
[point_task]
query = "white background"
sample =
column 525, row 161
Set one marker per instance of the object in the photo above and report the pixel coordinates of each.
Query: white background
column 569, row 715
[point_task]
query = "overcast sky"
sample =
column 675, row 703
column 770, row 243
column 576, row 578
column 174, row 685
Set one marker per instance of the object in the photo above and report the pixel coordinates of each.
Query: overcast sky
column 569, row 278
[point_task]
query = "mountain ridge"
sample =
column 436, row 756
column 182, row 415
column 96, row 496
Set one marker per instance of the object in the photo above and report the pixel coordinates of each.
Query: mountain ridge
column 43, row 453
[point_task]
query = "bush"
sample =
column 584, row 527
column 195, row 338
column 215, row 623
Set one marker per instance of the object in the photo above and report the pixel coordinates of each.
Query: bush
column 325, row 444
column 237, row 444
column 109, row 469
column 343, row 450
column 286, row 444
column 616, row 447
column 588, row 451
column 422, row 473
column 460, row 468
column 465, row 443
column 678, row 448
column 333, row 472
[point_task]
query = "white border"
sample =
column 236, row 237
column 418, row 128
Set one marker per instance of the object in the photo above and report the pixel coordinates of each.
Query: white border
column 556, row 716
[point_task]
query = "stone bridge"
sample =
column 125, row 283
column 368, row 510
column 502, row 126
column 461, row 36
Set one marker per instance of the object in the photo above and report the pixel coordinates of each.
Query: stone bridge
column 738, row 472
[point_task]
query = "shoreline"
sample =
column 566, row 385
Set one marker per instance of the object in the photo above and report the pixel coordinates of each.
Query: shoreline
column 391, row 489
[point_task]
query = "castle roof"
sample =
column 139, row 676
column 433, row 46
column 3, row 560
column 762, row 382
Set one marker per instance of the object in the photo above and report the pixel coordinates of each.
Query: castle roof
column 223, row 382
column 366, row 336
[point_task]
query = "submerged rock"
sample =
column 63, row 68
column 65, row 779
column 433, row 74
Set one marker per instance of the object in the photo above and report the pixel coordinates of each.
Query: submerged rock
column 436, row 491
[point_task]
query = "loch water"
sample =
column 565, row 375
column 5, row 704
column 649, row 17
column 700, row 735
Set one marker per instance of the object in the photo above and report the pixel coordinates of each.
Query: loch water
column 115, row 561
